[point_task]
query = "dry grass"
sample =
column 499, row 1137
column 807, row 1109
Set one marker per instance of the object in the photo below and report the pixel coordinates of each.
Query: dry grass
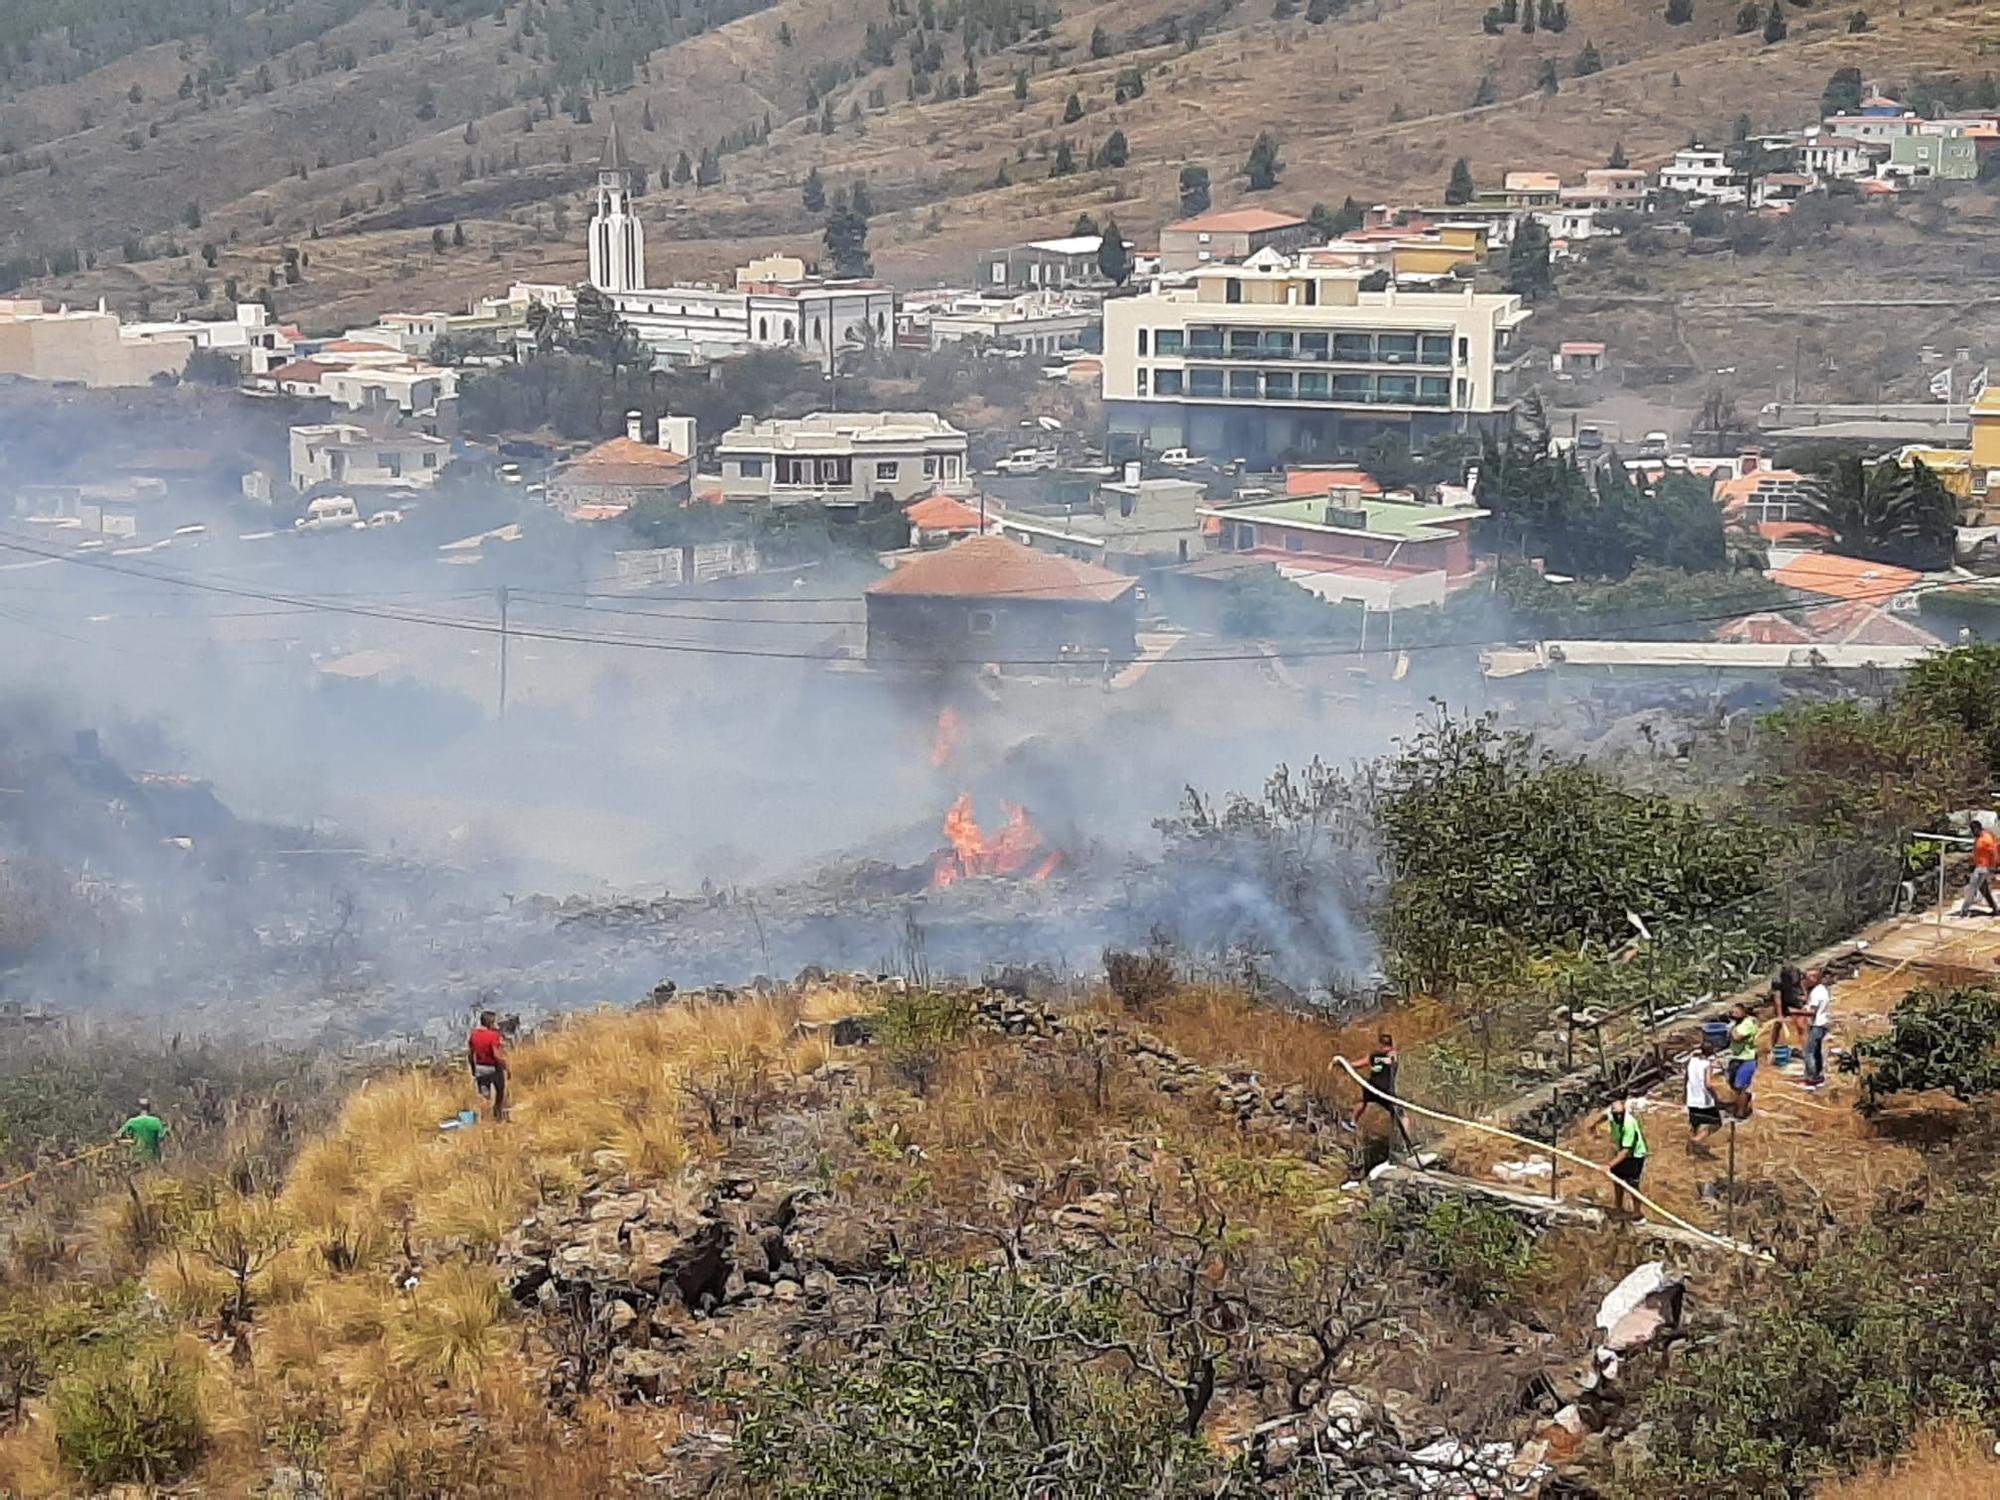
column 1945, row 1463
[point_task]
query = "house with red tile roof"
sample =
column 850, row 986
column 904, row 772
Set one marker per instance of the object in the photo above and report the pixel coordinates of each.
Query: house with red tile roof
column 938, row 519
column 1229, row 235
column 620, row 474
column 992, row 600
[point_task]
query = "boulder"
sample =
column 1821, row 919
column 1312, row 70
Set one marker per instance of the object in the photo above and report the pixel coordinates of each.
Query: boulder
column 691, row 1263
column 1640, row 1307
column 640, row 1373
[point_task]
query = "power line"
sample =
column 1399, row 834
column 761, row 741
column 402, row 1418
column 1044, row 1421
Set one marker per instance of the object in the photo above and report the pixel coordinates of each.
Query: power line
column 1299, row 651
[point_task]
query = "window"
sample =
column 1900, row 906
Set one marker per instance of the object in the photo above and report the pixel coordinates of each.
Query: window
column 1168, row 341
column 1000, row 272
column 1353, row 346
column 951, row 466
column 1278, row 385
column 750, row 468
column 1142, row 343
column 1244, row 343
column 1312, row 385
column 763, row 330
column 1243, row 384
column 836, row 472
column 798, row 471
column 1396, row 348
column 980, row 622
column 788, row 330
column 1246, row 538
column 1232, row 289
column 1350, row 387
column 1464, row 350
column 393, row 462
column 1312, row 346
column 1464, row 391
column 1201, row 239
column 881, row 325
column 1142, row 382
column 1204, row 343
column 1277, row 344
column 1434, row 390
column 1205, row 382
column 930, row 466
column 430, row 460
column 1435, row 349
column 887, row 468
column 1167, row 382
column 1312, row 293
column 1401, row 389
column 816, row 337
column 1294, row 542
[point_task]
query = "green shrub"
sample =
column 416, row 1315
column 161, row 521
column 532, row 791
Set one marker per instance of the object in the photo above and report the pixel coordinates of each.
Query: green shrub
column 1938, row 1039
column 1480, row 1252
column 914, row 1030
column 135, row 1420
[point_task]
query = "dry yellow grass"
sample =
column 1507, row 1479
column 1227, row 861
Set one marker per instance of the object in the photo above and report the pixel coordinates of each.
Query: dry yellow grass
column 1945, row 1463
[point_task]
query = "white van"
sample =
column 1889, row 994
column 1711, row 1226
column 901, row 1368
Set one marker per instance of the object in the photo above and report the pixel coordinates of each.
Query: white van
column 331, row 513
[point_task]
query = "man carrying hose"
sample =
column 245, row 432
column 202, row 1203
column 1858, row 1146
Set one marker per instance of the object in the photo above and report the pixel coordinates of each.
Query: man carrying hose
column 1630, row 1162
column 145, row 1130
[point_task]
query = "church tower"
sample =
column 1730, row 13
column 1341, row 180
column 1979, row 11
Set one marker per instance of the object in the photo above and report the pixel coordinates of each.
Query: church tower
column 617, row 238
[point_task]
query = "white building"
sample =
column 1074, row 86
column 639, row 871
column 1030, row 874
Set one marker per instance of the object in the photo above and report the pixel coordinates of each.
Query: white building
column 1258, row 363
column 774, row 303
column 83, row 346
column 412, row 389
column 1828, row 155
column 1697, row 172
column 1032, row 322
column 1879, row 129
column 250, row 338
column 338, row 453
column 843, row 458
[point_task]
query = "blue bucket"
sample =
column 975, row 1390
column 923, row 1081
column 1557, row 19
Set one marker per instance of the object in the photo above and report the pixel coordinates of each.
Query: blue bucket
column 1715, row 1033
column 1781, row 1054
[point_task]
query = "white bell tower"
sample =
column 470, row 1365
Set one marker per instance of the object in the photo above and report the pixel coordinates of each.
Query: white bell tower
column 617, row 238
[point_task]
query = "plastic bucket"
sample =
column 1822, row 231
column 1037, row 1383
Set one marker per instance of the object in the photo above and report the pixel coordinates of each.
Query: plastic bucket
column 1781, row 1054
column 468, row 1117
column 1715, row 1033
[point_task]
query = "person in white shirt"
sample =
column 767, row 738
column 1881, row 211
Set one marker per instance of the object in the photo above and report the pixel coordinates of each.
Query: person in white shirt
column 1819, row 1021
column 1704, row 1113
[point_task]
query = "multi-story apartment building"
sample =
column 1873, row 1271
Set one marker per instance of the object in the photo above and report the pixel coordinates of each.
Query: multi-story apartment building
column 843, row 458
column 1274, row 361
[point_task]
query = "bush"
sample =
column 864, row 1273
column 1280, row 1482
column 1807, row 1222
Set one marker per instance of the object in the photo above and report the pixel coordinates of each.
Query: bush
column 1938, row 1039
column 1478, row 1251
column 130, row 1421
column 1139, row 981
column 914, row 1030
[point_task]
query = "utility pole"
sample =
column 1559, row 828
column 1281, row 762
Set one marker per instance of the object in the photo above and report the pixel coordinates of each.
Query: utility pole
column 503, row 650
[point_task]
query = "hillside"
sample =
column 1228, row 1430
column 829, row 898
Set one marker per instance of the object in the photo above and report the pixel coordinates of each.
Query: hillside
column 381, row 124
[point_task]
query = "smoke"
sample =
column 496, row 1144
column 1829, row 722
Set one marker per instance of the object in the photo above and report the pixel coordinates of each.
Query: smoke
column 385, row 825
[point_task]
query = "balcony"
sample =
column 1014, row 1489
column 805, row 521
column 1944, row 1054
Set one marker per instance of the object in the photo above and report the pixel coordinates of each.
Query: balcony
column 1434, row 350
column 1313, row 389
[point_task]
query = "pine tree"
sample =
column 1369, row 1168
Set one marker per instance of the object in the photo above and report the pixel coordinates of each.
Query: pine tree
column 708, row 171
column 1550, row 81
column 1194, row 191
column 1588, row 62
column 1680, row 12
column 683, row 170
column 1020, row 85
column 1485, row 94
column 1073, row 110
column 1065, row 160
column 1461, row 187
column 1617, row 160
column 1527, row 17
column 1749, row 18
column 1775, row 27
column 1262, row 166
column 1116, row 150
column 1100, row 42
column 812, row 192
column 1114, row 260
column 646, row 120
column 846, row 240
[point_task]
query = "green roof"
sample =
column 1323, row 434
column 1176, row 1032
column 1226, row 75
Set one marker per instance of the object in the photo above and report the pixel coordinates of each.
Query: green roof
column 1393, row 518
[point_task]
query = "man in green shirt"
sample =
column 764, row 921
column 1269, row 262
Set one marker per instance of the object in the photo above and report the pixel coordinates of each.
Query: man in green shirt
column 1743, row 1034
column 1630, row 1162
column 145, row 1131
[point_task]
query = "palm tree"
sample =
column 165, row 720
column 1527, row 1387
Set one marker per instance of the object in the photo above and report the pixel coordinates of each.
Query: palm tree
column 1884, row 512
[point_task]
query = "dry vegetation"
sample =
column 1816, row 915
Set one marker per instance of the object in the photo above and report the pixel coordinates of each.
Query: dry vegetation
column 1374, row 103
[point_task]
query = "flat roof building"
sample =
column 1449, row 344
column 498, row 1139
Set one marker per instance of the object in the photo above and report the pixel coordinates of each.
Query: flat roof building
column 842, row 458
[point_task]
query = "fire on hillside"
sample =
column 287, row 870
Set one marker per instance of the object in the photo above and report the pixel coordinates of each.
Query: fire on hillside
column 1017, row 851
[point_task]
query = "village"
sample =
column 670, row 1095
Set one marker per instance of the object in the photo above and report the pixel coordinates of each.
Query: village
column 1337, row 849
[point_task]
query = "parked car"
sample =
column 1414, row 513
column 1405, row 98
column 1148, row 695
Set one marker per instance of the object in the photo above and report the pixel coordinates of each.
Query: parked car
column 331, row 513
column 1177, row 458
column 1025, row 461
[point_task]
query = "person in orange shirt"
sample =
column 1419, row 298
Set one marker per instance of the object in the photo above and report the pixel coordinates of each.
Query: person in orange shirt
column 486, row 1052
column 1985, row 860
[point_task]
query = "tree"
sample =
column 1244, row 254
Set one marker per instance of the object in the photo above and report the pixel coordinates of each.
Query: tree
column 1549, row 81
column 1262, row 166
column 1749, row 18
column 1857, row 23
column 1680, row 12
column 437, row 241
column 1319, row 12
column 683, row 170
column 1842, row 94
column 1461, row 186
column 646, row 120
column 1588, row 62
column 191, row 216
column 708, row 172
column 1617, row 160
column 859, row 200
column 1116, row 151
column 1555, row 15
column 1084, row 227
column 1528, row 271
column 1883, row 513
column 1527, row 17
column 598, row 333
column 1100, row 42
column 1114, row 258
column 1284, row 10
column 209, row 254
column 1020, row 85
column 846, row 239
column 812, row 192
column 1194, row 191
column 1072, row 110
column 1064, row 162
column 457, row 235
column 1485, row 94
column 1776, row 28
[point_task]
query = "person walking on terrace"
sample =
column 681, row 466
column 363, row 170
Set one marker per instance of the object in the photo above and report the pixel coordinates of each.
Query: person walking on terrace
column 1985, row 860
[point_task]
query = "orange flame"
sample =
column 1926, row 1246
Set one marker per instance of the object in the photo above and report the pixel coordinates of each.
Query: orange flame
column 1008, row 852
column 945, row 743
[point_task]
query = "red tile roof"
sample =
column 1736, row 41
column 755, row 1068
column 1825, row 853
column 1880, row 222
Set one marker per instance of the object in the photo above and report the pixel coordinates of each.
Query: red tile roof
column 1840, row 577
column 1855, row 623
column 301, row 369
column 1300, row 482
column 624, row 462
column 942, row 513
column 1764, row 629
column 992, row 567
column 1237, row 221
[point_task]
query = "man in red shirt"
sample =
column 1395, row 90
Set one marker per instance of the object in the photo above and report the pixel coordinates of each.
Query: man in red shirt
column 486, row 1051
column 1985, row 860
